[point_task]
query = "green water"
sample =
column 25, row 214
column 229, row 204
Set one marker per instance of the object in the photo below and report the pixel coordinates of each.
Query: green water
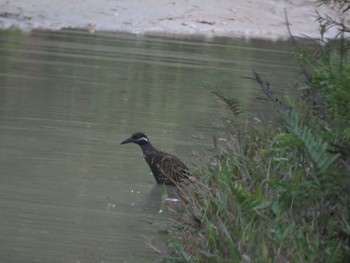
column 68, row 191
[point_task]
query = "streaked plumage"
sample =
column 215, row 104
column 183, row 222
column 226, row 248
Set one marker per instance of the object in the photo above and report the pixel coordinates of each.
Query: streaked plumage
column 166, row 168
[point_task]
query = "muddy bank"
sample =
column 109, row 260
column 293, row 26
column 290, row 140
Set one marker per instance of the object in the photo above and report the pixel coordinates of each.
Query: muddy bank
column 239, row 18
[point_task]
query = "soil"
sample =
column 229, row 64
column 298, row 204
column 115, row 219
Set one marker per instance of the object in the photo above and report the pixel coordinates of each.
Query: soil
column 234, row 18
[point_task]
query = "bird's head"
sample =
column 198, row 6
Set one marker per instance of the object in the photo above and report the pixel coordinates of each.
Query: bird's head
column 138, row 138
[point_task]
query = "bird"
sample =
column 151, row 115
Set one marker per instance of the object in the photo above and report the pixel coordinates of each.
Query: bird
column 166, row 168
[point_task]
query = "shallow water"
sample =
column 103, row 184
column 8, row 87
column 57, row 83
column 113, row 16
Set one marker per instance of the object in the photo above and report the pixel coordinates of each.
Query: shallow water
column 69, row 192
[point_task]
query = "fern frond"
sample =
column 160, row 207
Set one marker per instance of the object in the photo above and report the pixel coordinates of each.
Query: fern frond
column 232, row 103
column 316, row 147
column 265, row 86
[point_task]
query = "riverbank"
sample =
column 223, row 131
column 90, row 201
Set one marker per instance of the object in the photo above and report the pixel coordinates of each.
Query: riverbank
column 278, row 190
column 240, row 18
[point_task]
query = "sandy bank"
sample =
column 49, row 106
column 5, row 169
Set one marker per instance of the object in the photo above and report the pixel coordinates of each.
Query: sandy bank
column 242, row 18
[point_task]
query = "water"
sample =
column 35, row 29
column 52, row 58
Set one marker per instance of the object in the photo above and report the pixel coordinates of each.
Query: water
column 68, row 191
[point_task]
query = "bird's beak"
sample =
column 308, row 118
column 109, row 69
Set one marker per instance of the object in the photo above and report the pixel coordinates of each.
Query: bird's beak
column 128, row 140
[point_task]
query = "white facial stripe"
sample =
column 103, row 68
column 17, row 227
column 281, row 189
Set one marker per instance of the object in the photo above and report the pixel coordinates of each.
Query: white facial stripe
column 142, row 139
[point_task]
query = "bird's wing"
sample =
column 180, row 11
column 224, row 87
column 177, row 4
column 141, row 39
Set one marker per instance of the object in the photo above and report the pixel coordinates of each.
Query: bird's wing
column 173, row 169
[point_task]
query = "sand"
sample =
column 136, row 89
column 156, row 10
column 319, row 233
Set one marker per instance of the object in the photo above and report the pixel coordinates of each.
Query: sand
column 233, row 18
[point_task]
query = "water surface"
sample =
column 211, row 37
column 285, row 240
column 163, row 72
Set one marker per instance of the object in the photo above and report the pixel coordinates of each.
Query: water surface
column 68, row 191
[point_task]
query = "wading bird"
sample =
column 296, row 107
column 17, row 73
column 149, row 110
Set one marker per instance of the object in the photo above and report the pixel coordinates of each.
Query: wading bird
column 166, row 168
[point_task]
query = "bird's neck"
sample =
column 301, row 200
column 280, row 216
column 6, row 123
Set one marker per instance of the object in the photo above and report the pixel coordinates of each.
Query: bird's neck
column 147, row 148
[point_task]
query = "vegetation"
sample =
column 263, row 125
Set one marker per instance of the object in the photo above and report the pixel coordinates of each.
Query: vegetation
column 278, row 193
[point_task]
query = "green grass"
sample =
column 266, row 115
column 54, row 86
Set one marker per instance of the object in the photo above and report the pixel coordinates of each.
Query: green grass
column 262, row 200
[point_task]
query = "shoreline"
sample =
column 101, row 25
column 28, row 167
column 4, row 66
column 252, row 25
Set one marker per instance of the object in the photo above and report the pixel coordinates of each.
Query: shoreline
column 223, row 18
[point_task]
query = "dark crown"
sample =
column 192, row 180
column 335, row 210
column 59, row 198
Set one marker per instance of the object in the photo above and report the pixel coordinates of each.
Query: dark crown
column 138, row 138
